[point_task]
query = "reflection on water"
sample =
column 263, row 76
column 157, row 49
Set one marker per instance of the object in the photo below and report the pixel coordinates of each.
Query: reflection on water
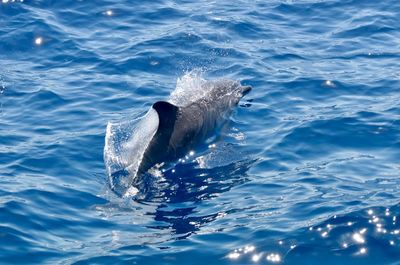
column 181, row 189
column 366, row 234
column 188, row 182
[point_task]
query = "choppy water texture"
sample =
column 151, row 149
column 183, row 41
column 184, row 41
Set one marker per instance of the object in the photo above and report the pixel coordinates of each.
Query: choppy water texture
column 305, row 172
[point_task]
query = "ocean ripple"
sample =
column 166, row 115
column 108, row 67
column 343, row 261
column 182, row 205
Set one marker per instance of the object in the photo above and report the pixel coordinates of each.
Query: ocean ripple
column 306, row 170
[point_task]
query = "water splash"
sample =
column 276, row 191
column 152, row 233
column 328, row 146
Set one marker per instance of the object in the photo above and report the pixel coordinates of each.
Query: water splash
column 189, row 88
column 125, row 144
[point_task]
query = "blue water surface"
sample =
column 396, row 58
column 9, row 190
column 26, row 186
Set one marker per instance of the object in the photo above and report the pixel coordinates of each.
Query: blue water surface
column 306, row 172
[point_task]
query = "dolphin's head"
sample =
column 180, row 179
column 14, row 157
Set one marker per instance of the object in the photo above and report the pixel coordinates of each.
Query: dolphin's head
column 227, row 88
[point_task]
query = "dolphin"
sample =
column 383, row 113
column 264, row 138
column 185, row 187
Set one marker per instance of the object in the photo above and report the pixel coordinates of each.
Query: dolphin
column 180, row 129
column 170, row 130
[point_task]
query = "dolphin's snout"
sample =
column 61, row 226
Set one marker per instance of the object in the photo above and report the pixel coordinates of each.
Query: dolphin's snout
column 246, row 89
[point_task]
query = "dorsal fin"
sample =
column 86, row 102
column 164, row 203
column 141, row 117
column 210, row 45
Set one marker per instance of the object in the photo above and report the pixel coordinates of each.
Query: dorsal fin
column 167, row 114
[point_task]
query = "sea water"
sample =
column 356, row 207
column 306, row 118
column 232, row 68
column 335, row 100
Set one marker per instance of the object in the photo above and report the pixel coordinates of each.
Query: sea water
column 306, row 171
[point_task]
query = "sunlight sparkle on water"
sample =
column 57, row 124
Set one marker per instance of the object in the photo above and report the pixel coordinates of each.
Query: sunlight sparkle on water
column 234, row 255
column 363, row 250
column 358, row 238
column 249, row 249
column 256, row 257
column 329, row 83
column 273, row 257
column 39, row 41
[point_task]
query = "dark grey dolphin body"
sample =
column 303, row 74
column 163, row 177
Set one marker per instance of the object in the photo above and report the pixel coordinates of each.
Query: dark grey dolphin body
column 181, row 128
